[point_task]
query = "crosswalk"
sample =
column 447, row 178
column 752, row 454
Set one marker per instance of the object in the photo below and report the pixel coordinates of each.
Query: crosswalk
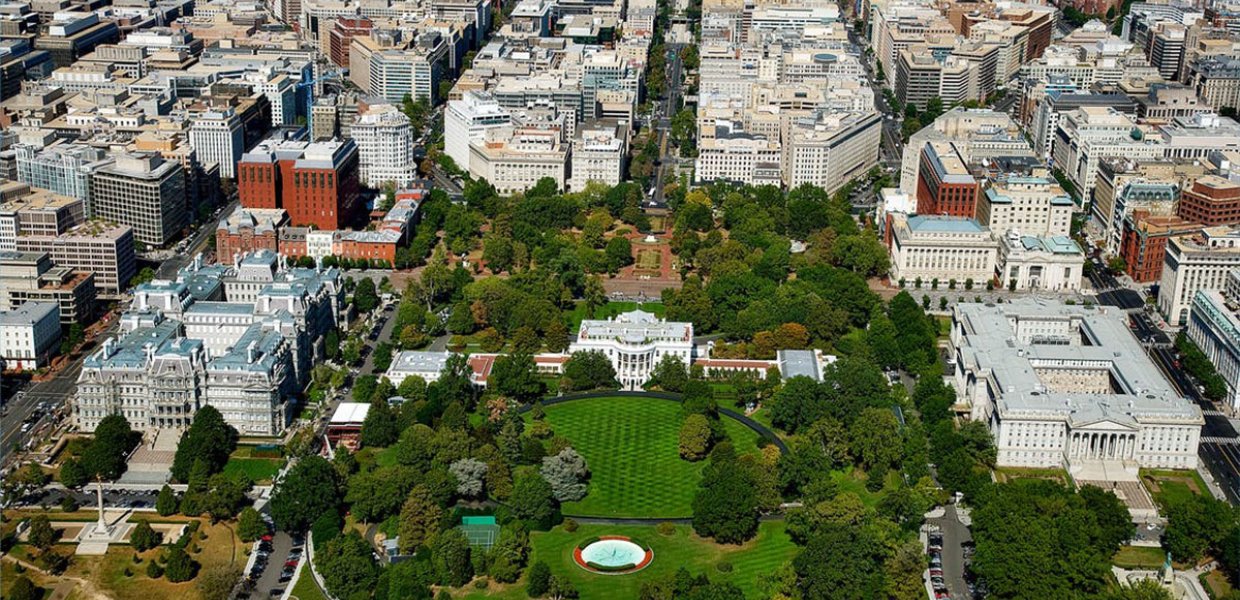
column 1210, row 439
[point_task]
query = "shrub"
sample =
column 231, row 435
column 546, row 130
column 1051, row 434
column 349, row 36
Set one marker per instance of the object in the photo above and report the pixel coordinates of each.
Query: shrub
column 666, row 528
column 570, row 525
column 610, row 569
column 587, row 542
column 481, row 584
column 724, row 567
column 153, row 570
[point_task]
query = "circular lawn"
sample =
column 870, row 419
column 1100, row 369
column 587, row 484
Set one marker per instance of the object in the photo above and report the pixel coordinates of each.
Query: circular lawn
column 631, row 444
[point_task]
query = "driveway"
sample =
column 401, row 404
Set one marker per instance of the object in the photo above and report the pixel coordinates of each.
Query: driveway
column 269, row 580
column 954, row 534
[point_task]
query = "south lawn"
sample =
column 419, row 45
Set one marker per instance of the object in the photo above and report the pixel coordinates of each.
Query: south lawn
column 761, row 555
column 632, row 448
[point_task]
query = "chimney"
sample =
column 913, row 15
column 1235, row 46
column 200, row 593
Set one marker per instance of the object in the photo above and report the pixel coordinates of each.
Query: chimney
column 249, row 352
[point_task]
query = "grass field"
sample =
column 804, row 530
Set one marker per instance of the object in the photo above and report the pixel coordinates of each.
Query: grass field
column 762, row 555
column 631, row 445
column 1168, row 487
column 649, row 260
column 1139, row 557
column 259, row 470
column 612, row 309
column 305, row 588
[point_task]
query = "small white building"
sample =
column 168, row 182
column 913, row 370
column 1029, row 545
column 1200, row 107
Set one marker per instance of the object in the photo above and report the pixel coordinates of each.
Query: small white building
column 28, row 335
column 1053, row 263
column 635, row 342
column 408, row 363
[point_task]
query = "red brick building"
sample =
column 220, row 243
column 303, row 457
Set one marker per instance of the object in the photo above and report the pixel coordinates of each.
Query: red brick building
column 342, row 34
column 1143, row 245
column 1211, row 200
column 247, row 230
column 944, row 184
column 315, row 183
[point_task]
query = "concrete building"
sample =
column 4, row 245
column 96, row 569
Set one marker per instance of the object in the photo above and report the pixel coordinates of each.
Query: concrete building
column 1199, row 135
column 1196, row 262
column 29, row 335
column 1089, row 133
column 62, row 169
column 514, row 159
column 32, row 277
column 1037, row 263
column 976, row 134
column 635, row 342
column 1215, row 327
column 831, row 149
column 38, row 212
column 600, row 154
column 218, row 138
column 929, row 247
column 732, row 155
column 1217, row 81
column 145, row 192
column 96, row 246
column 1031, row 206
column 1069, row 387
column 384, row 139
column 467, row 120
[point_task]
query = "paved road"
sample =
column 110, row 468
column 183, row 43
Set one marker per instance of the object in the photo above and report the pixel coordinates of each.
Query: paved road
column 269, row 578
column 1217, row 450
column 954, row 534
column 385, row 334
column 198, row 243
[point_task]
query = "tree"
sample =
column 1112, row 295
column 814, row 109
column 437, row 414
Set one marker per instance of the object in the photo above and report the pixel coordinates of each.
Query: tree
column 365, row 298
column 380, row 429
column 218, row 582
column 533, row 499
column 374, row 495
column 143, row 537
column 144, row 276
column 695, row 437
column 208, row 438
column 250, row 525
column 72, row 475
column 876, row 440
column 561, row 588
column 23, row 588
column 451, row 558
column 166, row 503
column 538, row 580
column 903, row 572
column 516, row 376
column 589, row 370
column 419, row 519
column 726, row 506
column 383, row 357
column 41, row 535
column 840, row 562
column 308, row 490
column 619, row 252
column 470, row 475
column 348, row 566
column 105, row 456
column 669, row 374
column 567, row 473
column 179, row 566
column 800, row 402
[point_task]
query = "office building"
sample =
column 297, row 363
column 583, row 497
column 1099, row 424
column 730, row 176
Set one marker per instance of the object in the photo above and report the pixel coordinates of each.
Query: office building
column 145, row 192
column 832, row 149
column 467, row 120
column 1214, row 327
column 316, row 183
column 1089, row 133
column 1061, row 385
column 1211, row 200
column 944, row 184
column 384, row 140
column 1196, row 262
column 96, row 246
column 1029, row 205
column 1143, row 242
column 29, row 335
column 218, row 138
column 515, row 159
column 32, row 277
column 1039, row 263
column 599, row 154
column 930, row 247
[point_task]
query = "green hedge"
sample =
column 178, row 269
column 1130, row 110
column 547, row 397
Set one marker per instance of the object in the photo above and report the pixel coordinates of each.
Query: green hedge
column 587, row 542
column 606, row 569
column 644, row 545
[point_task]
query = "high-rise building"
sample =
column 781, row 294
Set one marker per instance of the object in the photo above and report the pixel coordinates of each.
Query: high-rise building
column 316, row 183
column 102, row 248
column 218, row 138
column 467, row 120
column 599, row 154
column 1089, row 133
column 63, row 169
column 832, row 149
column 384, row 139
column 145, row 192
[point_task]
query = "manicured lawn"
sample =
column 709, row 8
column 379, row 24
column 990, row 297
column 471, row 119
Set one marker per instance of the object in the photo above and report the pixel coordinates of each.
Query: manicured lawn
column 649, row 260
column 305, row 588
column 853, row 480
column 762, row 555
column 1139, row 557
column 259, row 470
column 1168, row 487
column 612, row 309
column 631, row 446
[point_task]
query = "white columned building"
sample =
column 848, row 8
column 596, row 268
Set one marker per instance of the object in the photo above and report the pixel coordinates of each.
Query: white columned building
column 635, row 342
column 1070, row 387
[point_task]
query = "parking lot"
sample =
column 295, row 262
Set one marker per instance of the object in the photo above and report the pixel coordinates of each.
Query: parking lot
column 950, row 556
column 273, row 570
